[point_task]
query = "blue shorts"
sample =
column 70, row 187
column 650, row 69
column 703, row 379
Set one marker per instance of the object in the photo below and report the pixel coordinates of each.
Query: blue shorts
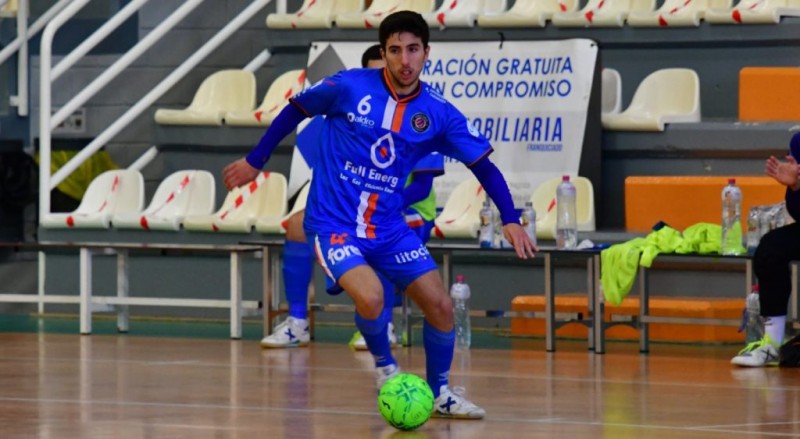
column 402, row 260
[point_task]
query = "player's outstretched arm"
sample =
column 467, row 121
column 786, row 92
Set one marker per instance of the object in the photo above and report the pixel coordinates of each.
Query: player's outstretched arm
column 246, row 169
column 495, row 185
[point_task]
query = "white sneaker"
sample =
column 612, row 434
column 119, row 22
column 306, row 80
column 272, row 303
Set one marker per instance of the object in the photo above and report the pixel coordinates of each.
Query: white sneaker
column 358, row 343
column 383, row 374
column 289, row 334
column 452, row 404
column 758, row 354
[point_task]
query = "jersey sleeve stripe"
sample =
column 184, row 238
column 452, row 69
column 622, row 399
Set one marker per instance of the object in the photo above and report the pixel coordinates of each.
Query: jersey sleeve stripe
column 485, row 154
column 300, row 107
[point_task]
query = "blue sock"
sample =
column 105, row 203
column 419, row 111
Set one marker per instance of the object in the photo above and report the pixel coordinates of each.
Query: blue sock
column 388, row 298
column 439, row 348
column 297, row 271
column 375, row 334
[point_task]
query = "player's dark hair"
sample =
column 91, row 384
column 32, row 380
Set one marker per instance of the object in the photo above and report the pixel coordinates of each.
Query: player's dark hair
column 371, row 54
column 404, row 21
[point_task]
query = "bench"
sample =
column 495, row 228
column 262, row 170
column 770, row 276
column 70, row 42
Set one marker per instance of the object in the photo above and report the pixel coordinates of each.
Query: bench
column 546, row 259
column 89, row 303
column 690, row 307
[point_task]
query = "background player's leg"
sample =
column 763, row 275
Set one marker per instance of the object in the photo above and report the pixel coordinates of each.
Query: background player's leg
column 389, row 297
column 297, row 271
column 298, row 267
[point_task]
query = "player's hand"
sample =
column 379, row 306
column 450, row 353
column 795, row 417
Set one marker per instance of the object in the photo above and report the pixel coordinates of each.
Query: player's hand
column 238, row 173
column 785, row 173
column 523, row 245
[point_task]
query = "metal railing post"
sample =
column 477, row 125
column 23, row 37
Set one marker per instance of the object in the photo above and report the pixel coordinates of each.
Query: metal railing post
column 45, row 102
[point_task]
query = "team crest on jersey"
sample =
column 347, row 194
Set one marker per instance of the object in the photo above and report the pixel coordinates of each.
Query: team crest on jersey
column 420, row 122
column 382, row 152
column 472, row 130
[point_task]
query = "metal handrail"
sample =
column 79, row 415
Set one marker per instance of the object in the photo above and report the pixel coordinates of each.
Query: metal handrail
column 47, row 122
column 123, row 62
column 20, row 44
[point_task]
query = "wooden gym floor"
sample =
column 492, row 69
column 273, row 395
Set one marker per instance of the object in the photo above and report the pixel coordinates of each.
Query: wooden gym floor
column 55, row 385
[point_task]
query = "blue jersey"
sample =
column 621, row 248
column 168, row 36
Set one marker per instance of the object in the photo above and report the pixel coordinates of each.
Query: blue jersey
column 371, row 141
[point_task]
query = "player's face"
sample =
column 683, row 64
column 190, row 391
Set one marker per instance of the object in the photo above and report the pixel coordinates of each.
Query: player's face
column 404, row 55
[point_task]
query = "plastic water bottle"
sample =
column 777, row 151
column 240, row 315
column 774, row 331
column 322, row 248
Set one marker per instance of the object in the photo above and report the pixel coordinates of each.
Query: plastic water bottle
column 731, row 219
column 528, row 221
column 566, row 221
column 486, row 232
column 460, row 293
column 753, row 230
column 754, row 324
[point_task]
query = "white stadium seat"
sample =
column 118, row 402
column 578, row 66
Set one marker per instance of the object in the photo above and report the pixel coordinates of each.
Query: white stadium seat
column 527, row 13
column 602, row 13
column 220, row 93
column 611, row 92
column 110, row 193
column 265, row 196
column 275, row 224
column 676, row 13
column 314, row 14
column 181, row 194
column 664, row 96
column 378, row 10
column 544, row 202
column 463, row 13
column 460, row 217
column 277, row 96
column 754, row 12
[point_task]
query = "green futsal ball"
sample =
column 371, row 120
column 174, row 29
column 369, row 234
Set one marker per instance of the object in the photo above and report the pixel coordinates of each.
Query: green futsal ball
column 405, row 401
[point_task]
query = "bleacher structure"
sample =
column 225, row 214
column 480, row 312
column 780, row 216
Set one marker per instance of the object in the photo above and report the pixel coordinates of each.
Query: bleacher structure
column 675, row 70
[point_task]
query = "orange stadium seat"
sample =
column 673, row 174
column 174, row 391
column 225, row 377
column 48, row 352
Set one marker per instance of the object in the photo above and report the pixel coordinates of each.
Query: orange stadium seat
column 769, row 94
column 682, row 201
